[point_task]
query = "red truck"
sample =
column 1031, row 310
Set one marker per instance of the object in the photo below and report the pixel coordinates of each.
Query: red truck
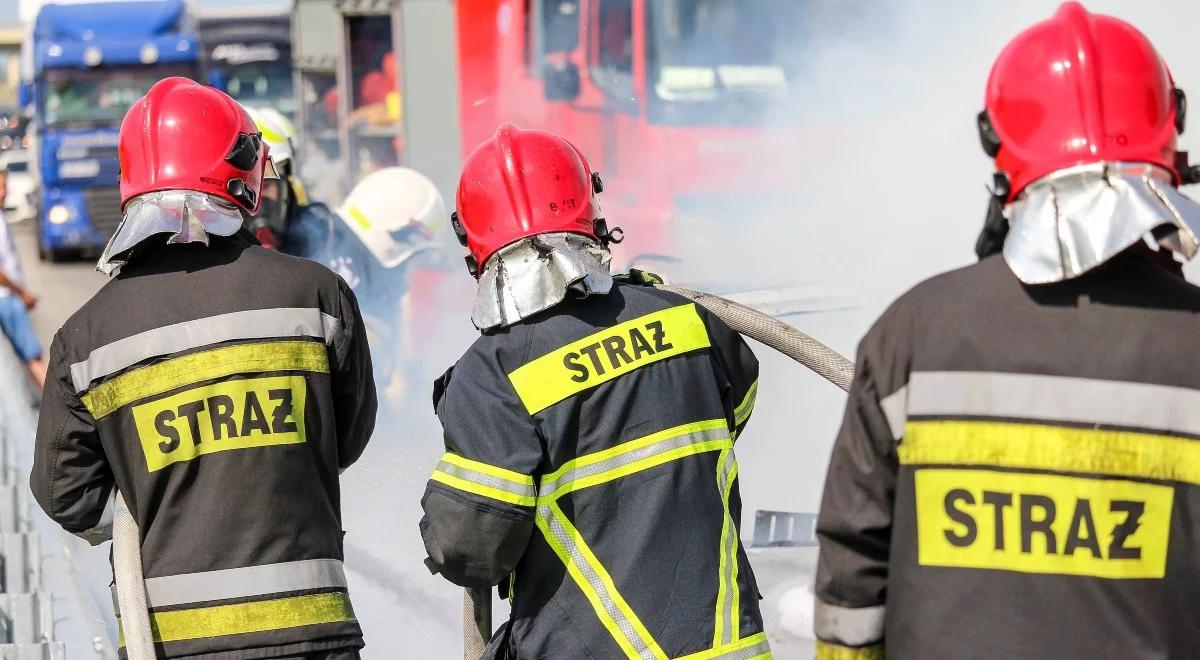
column 683, row 105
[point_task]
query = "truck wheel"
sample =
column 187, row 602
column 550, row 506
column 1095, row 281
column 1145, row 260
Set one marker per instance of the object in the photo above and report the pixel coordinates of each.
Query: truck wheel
column 44, row 253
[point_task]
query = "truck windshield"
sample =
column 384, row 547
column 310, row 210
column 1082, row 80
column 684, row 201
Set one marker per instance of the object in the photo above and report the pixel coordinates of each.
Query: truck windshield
column 719, row 61
column 100, row 96
column 261, row 84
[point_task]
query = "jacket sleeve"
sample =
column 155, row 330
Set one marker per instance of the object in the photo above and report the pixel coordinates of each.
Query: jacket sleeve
column 71, row 478
column 479, row 503
column 736, row 367
column 855, row 521
column 354, row 396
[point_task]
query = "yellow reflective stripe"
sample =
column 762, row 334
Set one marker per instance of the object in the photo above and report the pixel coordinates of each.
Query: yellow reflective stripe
column 637, row 455
column 827, row 651
column 242, row 618
column 486, row 480
column 597, row 585
column 482, row 489
column 608, row 354
column 498, row 472
column 742, row 412
column 299, row 192
column 268, row 134
column 170, row 374
column 643, row 464
column 551, row 481
column 1051, row 448
column 360, row 218
column 754, row 647
column 728, row 619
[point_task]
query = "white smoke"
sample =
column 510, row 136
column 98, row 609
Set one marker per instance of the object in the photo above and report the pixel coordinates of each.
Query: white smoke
column 888, row 188
column 892, row 192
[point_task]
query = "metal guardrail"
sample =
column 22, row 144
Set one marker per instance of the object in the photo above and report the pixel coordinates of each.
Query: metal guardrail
column 784, row 529
column 26, row 611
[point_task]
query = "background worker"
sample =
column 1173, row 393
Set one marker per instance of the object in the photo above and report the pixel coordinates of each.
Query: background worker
column 589, row 465
column 221, row 387
column 383, row 241
column 16, row 301
column 1018, row 473
column 282, row 198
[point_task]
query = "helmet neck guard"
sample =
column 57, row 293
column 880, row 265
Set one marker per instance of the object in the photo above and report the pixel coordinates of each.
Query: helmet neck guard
column 187, row 215
column 537, row 273
column 1075, row 219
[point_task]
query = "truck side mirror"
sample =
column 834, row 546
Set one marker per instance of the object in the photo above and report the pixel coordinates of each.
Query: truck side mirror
column 562, row 81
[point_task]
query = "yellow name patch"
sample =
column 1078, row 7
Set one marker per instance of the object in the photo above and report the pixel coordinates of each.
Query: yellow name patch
column 1035, row 523
column 608, row 354
column 234, row 414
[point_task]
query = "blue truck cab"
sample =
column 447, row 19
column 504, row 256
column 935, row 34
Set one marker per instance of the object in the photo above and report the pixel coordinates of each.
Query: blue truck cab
column 90, row 62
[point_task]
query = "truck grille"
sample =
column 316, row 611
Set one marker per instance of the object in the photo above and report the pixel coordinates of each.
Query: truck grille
column 104, row 208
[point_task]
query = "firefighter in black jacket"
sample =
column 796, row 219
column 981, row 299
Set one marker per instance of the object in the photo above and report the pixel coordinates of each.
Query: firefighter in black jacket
column 1018, row 471
column 221, row 387
column 589, row 432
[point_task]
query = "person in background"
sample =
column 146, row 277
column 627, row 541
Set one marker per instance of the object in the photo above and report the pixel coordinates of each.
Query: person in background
column 589, row 466
column 384, row 232
column 16, row 301
column 283, row 198
column 1018, row 470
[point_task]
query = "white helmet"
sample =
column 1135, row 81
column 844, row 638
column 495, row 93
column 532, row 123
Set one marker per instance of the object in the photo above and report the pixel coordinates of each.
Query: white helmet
column 395, row 212
column 277, row 131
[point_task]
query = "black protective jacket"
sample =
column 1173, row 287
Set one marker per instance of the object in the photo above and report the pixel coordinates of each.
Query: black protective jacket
column 589, row 467
column 220, row 389
column 1018, row 472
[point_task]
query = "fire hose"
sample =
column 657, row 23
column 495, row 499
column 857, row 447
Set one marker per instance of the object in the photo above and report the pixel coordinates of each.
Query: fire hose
column 131, row 587
column 747, row 321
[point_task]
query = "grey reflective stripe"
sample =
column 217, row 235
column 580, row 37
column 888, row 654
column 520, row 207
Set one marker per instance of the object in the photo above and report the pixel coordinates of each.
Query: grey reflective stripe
column 848, row 626
column 728, row 549
column 249, row 324
column 661, row 447
column 245, row 582
column 895, row 409
column 484, row 479
column 746, row 653
column 1054, row 399
column 607, row 598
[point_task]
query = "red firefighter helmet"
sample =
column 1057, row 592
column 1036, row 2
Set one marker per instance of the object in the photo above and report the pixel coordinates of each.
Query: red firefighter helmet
column 1079, row 88
column 184, row 136
column 521, row 183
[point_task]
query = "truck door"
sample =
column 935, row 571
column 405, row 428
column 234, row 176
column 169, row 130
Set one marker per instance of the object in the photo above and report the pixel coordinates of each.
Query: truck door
column 314, row 58
column 369, row 85
column 612, row 69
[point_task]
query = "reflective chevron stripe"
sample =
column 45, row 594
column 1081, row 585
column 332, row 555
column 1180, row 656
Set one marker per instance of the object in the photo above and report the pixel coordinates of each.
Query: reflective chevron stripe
column 728, row 594
column 636, row 455
column 597, row 585
column 746, row 407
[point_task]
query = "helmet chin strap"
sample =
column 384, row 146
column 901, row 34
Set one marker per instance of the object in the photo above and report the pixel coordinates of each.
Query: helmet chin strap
column 995, row 224
column 1188, row 173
